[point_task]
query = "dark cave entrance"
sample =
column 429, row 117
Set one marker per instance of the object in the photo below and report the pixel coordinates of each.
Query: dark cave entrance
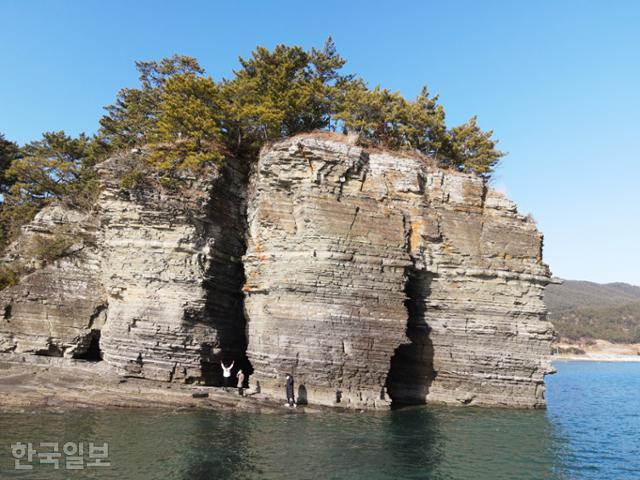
column 411, row 371
column 93, row 352
column 225, row 278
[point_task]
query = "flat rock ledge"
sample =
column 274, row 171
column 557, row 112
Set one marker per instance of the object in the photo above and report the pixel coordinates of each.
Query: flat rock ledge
column 37, row 383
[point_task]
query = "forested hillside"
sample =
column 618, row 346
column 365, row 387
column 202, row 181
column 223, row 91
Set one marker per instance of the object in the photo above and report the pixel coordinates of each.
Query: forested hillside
column 587, row 310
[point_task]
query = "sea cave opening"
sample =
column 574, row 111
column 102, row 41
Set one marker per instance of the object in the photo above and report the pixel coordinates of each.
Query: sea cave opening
column 411, row 371
column 93, row 353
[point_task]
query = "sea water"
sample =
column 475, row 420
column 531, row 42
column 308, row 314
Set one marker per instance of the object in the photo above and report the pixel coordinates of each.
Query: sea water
column 591, row 430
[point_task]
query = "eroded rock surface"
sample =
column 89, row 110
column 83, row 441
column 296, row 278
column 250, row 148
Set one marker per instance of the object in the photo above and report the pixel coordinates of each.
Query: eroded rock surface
column 373, row 276
column 154, row 286
column 370, row 276
column 59, row 307
column 171, row 268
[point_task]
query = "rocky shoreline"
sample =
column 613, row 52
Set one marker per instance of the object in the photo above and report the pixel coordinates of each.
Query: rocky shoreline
column 41, row 383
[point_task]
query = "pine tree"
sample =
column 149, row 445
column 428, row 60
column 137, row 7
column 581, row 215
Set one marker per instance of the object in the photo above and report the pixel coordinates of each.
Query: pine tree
column 9, row 151
column 57, row 167
column 50, row 167
column 188, row 132
column 187, row 120
column 130, row 121
column 473, row 150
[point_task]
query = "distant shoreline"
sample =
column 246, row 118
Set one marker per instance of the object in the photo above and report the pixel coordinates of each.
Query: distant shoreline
column 596, row 358
column 597, row 351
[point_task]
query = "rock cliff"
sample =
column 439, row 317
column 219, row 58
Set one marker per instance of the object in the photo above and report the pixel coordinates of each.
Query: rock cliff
column 371, row 276
column 59, row 307
column 158, row 286
column 171, row 269
column 369, row 269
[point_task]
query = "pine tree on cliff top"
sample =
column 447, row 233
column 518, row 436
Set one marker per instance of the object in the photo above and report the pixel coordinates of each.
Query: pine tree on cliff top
column 188, row 120
column 274, row 94
column 56, row 167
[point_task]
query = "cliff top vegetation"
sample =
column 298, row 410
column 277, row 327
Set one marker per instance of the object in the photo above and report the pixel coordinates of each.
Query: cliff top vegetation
column 187, row 119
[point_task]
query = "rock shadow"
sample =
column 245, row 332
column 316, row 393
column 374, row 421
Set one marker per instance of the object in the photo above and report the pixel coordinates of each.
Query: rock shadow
column 93, row 352
column 225, row 229
column 302, row 398
column 411, row 371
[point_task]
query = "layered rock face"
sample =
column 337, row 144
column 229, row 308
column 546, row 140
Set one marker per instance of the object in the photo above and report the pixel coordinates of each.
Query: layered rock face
column 171, row 268
column 59, row 307
column 372, row 276
column 155, row 286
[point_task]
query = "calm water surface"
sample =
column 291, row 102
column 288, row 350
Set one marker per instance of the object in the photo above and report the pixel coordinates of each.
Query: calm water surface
column 591, row 430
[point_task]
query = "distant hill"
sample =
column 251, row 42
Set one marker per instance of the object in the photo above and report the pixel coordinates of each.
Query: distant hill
column 583, row 310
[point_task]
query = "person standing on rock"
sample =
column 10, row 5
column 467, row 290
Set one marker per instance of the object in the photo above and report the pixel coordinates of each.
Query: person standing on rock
column 240, row 376
column 226, row 374
column 289, row 390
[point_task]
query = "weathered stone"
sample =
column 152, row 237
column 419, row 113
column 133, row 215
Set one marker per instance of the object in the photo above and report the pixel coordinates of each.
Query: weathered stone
column 58, row 308
column 171, row 267
column 155, row 285
column 370, row 276
column 371, row 273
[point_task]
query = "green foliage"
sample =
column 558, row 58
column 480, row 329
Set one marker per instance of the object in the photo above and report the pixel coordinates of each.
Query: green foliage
column 8, row 277
column 188, row 130
column 618, row 324
column 131, row 120
column 386, row 118
column 133, row 178
column 9, row 151
column 14, row 213
column 184, row 120
column 50, row 167
column 47, row 248
column 472, row 149
column 190, row 120
column 57, row 167
column 41, row 250
column 281, row 93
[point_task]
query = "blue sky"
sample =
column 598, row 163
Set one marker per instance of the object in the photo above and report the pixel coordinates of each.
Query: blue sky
column 558, row 82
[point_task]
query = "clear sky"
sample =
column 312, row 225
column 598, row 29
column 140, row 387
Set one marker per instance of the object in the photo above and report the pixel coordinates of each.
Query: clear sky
column 557, row 80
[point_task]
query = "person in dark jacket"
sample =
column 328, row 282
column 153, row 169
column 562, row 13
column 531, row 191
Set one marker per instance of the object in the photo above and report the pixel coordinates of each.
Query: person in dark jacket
column 289, row 389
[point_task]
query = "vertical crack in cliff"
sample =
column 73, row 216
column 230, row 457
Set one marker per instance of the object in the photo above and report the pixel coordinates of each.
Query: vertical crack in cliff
column 411, row 372
column 225, row 277
column 353, row 221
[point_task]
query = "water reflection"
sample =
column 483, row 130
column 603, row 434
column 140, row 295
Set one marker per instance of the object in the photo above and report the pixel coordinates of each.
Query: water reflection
column 419, row 442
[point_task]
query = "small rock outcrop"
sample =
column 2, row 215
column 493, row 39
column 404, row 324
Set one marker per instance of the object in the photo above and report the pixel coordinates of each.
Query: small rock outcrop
column 58, row 308
column 372, row 276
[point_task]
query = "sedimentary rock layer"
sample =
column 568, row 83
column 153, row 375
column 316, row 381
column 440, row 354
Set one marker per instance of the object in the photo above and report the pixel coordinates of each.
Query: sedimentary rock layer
column 59, row 307
column 171, row 268
column 372, row 276
column 153, row 286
